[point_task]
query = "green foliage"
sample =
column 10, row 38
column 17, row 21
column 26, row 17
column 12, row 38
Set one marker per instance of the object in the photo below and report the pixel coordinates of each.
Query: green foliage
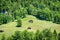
column 21, row 12
column 27, row 35
column 3, row 37
column 37, row 35
column 58, row 36
column 4, row 18
column 57, row 18
column 47, row 34
column 19, row 23
column 54, row 37
column 9, row 38
column 44, row 35
column 16, row 36
column 43, row 9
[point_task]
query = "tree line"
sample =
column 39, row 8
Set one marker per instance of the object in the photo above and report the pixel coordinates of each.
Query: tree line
column 25, row 35
column 48, row 10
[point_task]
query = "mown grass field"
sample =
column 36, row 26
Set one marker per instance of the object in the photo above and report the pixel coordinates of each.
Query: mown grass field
column 10, row 27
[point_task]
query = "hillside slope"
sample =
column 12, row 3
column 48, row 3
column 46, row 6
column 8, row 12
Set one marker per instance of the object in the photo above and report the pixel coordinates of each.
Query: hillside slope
column 10, row 27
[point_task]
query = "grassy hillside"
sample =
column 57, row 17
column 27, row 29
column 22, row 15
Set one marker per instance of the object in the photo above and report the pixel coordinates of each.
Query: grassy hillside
column 10, row 27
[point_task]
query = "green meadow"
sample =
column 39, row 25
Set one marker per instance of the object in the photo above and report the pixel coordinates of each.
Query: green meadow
column 10, row 28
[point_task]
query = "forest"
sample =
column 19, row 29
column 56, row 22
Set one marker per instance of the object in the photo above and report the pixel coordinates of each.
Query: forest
column 48, row 10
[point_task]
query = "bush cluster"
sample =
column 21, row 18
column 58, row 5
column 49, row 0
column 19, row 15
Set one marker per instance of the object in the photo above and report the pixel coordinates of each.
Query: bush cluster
column 25, row 35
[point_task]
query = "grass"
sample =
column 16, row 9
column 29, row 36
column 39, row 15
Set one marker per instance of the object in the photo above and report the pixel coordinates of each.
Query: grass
column 10, row 27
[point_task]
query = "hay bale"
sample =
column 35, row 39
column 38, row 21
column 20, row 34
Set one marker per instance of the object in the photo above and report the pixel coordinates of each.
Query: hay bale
column 29, row 28
column 30, row 21
column 1, row 31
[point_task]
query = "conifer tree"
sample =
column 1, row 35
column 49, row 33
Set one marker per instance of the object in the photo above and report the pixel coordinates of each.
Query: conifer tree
column 19, row 23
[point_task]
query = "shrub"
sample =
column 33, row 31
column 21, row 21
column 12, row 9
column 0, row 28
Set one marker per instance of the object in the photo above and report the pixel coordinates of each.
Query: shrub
column 4, row 18
column 19, row 23
column 3, row 37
